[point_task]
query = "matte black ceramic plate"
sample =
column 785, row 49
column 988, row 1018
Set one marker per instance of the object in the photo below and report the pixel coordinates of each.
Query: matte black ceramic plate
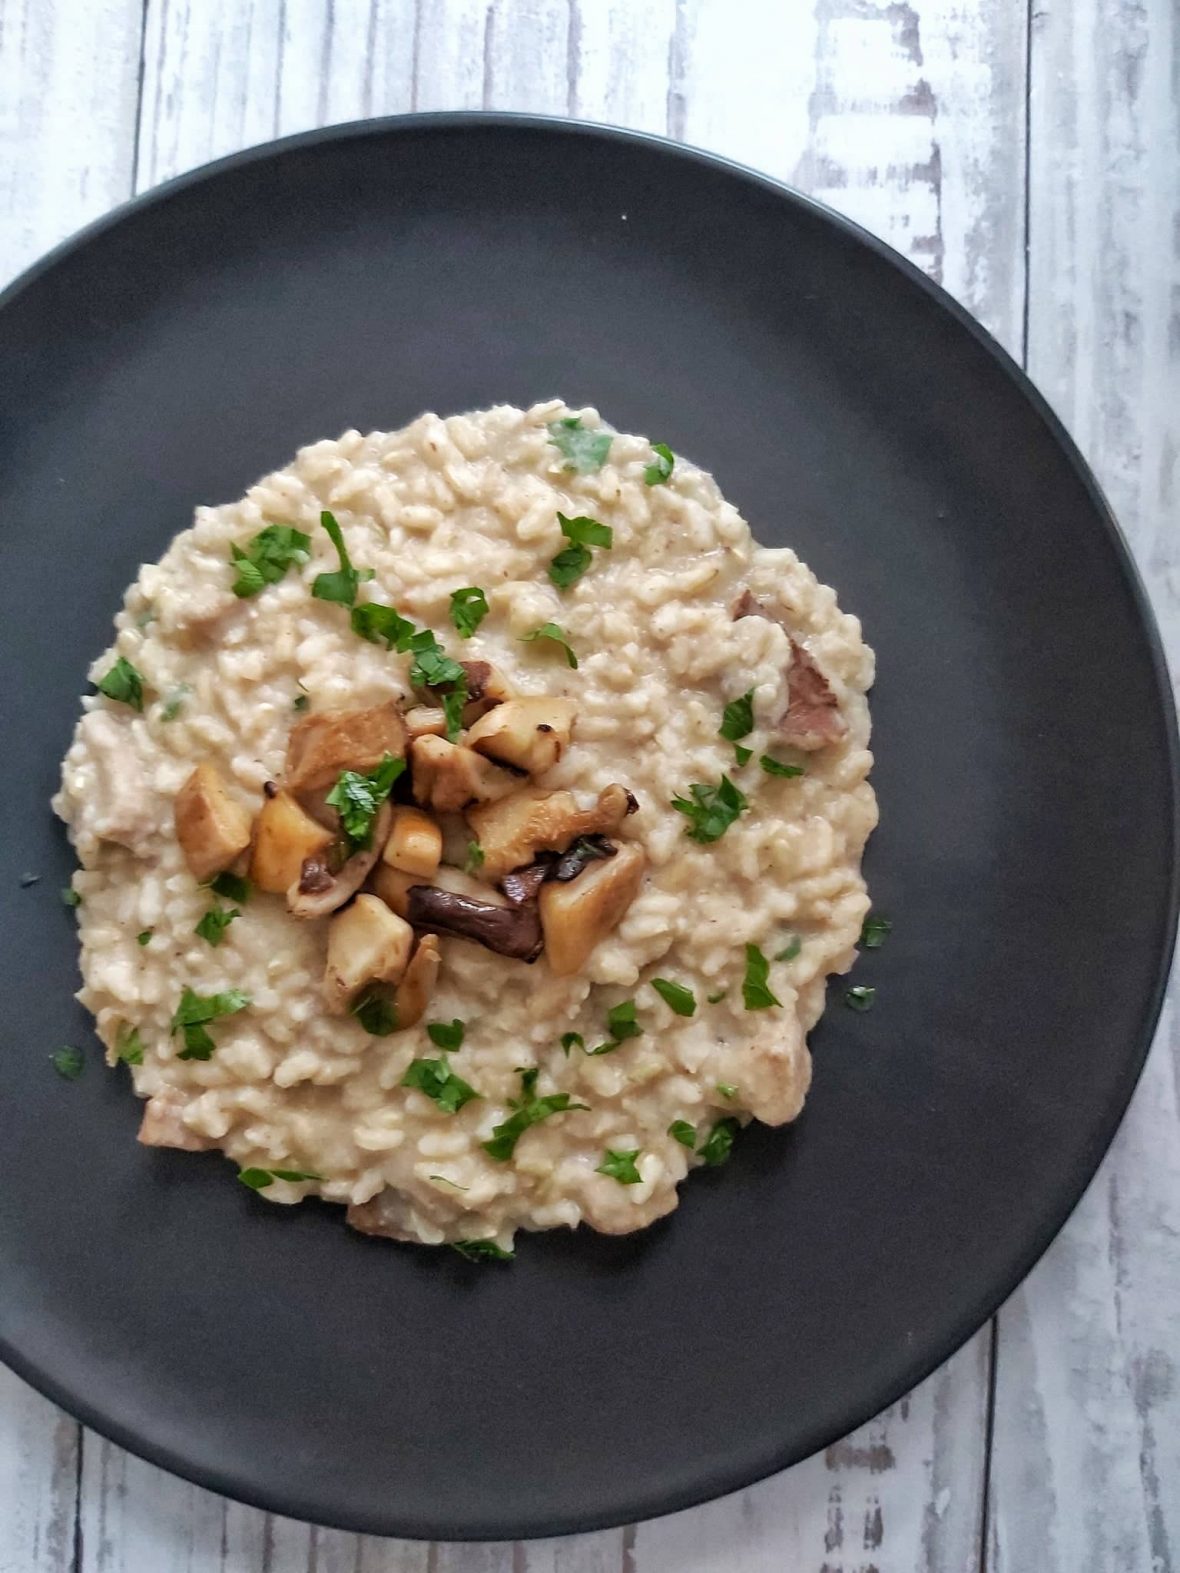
column 1025, row 749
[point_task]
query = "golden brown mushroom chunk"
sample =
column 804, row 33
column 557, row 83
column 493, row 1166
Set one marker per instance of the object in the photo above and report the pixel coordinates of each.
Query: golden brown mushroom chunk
column 531, row 821
column 529, row 734
column 321, row 889
column 415, row 989
column 367, row 943
column 284, row 838
column 486, row 687
column 425, row 721
column 577, row 915
column 211, row 825
column 812, row 718
column 415, row 842
column 321, row 746
column 447, row 776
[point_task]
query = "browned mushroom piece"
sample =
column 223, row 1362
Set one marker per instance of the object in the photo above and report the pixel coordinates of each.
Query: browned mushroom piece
column 527, row 734
column 523, row 883
column 416, row 987
column 285, row 837
column 448, row 777
column 576, row 915
column 812, row 718
column 512, row 832
column 320, row 888
column 486, row 687
column 509, row 931
column 323, row 745
column 211, row 825
column 367, row 943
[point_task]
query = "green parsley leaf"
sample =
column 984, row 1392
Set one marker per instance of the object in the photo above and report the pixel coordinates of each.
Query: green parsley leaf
column 436, row 1079
column 70, row 897
column 430, row 668
column 659, row 472
column 790, row 951
column 755, row 991
column 621, row 1166
column 300, row 702
column 718, row 1145
column 340, row 585
column 213, row 925
column 875, row 932
column 528, row 1110
column 68, row 1062
column 446, row 1034
column 573, row 560
column 715, row 999
column 571, row 1040
column 441, row 1179
column 710, row 809
column 621, row 1023
column 737, row 719
column 684, row 1133
column 474, row 858
column 469, row 607
column 482, row 1251
column 583, row 531
column 377, row 1013
column 859, row 997
column 569, row 565
column 124, row 684
column 727, row 1089
column 174, row 703
column 259, row 1179
column 375, row 622
column 608, row 1047
column 231, row 886
column 357, row 798
column 742, row 755
column 558, row 635
column 775, row 767
column 676, row 996
column 584, row 451
column 129, row 1047
column 266, row 557
column 195, row 1010
column 453, row 705
column 144, row 937
column 296, row 1176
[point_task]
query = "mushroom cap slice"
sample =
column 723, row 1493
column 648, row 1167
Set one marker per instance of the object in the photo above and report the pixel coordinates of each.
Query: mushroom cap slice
column 322, row 745
column 320, row 890
column 367, row 943
column 284, row 838
column 416, row 987
column 812, row 718
column 512, row 832
column 211, row 825
column 509, row 931
column 448, row 777
column 528, row 734
column 575, row 916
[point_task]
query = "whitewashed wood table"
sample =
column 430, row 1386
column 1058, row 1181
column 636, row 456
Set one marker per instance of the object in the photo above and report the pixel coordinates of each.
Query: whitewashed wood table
column 1026, row 153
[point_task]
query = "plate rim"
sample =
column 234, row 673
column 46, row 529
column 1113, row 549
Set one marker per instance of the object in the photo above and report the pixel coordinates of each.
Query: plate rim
column 644, row 1505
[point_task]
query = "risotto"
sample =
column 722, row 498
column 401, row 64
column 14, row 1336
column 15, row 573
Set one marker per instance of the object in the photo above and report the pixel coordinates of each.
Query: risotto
column 468, row 820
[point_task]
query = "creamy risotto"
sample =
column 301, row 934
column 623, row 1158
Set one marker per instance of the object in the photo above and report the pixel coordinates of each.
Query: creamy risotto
column 468, row 820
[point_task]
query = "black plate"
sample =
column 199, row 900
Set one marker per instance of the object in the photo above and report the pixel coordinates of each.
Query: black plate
column 1026, row 758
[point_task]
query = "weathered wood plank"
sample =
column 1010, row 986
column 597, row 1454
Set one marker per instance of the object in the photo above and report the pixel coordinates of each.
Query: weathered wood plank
column 38, row 1481
column 1087, row 1427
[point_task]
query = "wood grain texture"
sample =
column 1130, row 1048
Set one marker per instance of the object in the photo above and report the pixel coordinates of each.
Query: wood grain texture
column 1086, row 1468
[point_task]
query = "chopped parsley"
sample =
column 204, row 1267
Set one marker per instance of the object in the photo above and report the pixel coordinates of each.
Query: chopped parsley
column 266, row 557
column 70, row 897
column 656, row 474
column 742, row 755
column 341, row 584
column 144, row 937
column 584, row 451
column 377, row 1013
column 259, row 1179
column 569, row 565
column 195, row 1011
column 558, row 636
column 710, row 810
column 621, row 1166
column 791, row 950
column 684, row 1133
column 300, row 702
column 174, row 703
column 129, row 1047
column 859, row 997
column 737, row 719
column 573, row 560
column 446, row 1034
column 775, row 767
column 755, row 990
column 437, row 1080
column 231, row 886
column 715, row 999
column 875, row 932
column 453, row 705
column 469, row 607
column 375, row 622
column 357, row 798
column 213, row 925
column 676, row 996
column 474, row 858
column 68, row 1062
column 123, row 683
column 718, row 1145
column 621, row 1023
column 727, row 1089
column 482, row 1251
column 432, row 668
column 528, row 1110
column 571, row 1040
column 583, row 531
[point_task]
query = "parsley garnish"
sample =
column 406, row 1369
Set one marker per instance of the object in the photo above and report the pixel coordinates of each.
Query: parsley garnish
column 718, row 1145
column 583, row 531
column 174, row 703
column 621, row 1166
column 482, row 1251
column 453, row 705
column 715, row 999
column 469, row 607
column 124, row 684
column 755, row 991
column 572, row 561
column 775, row 767
column 232, row 886
column 569, row 565
column 790, row 951
column 727, row 1089
column 446, row 1034
column 129, row 1047
column 684, row 1133
column 195, row 1010
column 676, row 996
column 621, row 1023
column 875, row 932
column 571, row 1040
column 528, row 1110
column 377, row 1013
column 300, row 702
column 859, row 997
column 436, row 1079
column 375, row 622
column 259, row 1179
column 742, row 755
column 144, row 937
column 737, row 719
column 710, row 809
column 68, row 1062
column 659, row 472
column 358, row 797
column 213, row 925
column 558, row 635
column 431, row 668
column 474, row 858
column 266, row 557
column 70, row 897
column 341, row 584
column 583, row 451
